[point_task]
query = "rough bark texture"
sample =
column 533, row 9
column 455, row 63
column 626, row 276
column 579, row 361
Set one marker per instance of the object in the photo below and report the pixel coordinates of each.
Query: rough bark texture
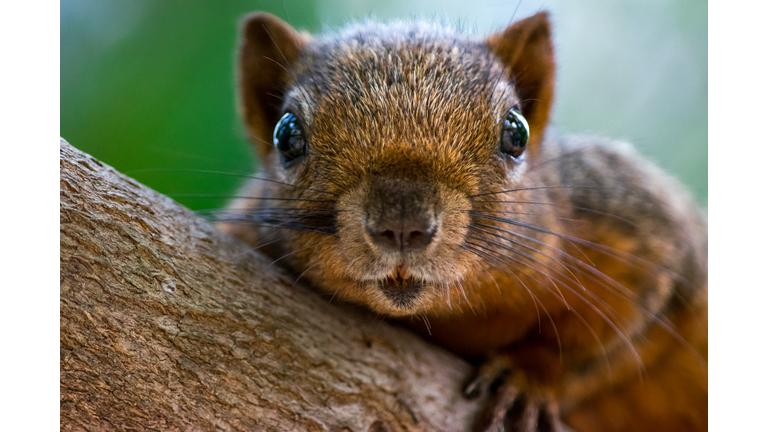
column 167, row 324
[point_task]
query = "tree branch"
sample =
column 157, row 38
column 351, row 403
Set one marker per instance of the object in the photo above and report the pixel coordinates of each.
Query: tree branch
column 168, row 324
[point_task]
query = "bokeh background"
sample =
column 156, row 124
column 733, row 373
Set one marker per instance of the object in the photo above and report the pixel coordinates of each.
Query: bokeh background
column 147, row 86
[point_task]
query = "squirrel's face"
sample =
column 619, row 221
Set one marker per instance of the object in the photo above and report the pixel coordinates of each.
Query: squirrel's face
column 378, row 142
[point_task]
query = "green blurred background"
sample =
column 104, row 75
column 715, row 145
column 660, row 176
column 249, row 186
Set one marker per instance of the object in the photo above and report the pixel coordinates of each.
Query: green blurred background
column 147, row 86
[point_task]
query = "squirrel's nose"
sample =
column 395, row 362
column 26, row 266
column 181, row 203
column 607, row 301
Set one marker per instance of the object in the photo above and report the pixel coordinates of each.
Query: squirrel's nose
column 403, row 234
column 401, row 214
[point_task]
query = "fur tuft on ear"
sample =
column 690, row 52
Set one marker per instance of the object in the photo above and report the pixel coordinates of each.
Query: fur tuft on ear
column 525, row 48
column 269, row 46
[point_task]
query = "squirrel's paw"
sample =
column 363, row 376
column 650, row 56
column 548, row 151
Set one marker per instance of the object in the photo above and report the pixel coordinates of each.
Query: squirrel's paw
column 511, row 407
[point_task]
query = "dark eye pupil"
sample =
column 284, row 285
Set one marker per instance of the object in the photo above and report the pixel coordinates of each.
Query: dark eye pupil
column 288, row 138
column 515, row 134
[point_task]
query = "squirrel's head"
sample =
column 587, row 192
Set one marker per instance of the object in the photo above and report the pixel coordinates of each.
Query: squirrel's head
column 379, row 143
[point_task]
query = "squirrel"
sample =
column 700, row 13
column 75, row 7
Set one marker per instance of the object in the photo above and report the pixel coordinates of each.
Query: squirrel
column 410, row 168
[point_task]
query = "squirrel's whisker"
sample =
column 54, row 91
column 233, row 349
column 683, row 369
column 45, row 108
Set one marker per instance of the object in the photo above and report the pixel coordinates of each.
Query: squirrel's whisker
column 246, row 197
column 536, row 301
column 615, row 253
column 231, row 174
column 610, row 309
column 560, row 252
column 586, row 209
column 604, row 281
column 619, row 332
column 505, row 212
column 330, row 231
column 542, row 187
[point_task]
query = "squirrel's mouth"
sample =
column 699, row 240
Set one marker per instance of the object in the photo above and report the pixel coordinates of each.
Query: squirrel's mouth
column 401, row 288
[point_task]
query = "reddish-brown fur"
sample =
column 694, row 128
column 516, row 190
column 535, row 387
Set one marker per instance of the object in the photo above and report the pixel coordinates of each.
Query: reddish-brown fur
column 591, row 304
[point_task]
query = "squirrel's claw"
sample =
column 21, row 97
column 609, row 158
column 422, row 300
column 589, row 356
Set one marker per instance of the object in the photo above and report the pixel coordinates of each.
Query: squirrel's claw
column 511, row 407
column 489, row 376
column 512, row 411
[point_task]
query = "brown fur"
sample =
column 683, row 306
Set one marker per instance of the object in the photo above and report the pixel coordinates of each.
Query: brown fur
column 592, row 302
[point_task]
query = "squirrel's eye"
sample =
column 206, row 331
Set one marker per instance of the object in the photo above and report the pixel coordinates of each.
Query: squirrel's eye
column 515, row 134
column 289, row 138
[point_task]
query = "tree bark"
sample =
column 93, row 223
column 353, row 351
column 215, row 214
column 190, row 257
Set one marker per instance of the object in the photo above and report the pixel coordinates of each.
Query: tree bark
column 168, row 324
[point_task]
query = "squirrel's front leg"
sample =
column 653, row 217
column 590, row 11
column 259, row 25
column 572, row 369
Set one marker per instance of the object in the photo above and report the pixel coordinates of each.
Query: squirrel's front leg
column 513, row 402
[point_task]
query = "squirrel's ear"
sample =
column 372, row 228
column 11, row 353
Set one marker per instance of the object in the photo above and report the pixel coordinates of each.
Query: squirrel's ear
column 525, row 48
column 268, row 48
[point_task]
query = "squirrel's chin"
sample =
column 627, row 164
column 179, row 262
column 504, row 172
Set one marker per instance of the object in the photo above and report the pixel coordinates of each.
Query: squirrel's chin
column 398, row 298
